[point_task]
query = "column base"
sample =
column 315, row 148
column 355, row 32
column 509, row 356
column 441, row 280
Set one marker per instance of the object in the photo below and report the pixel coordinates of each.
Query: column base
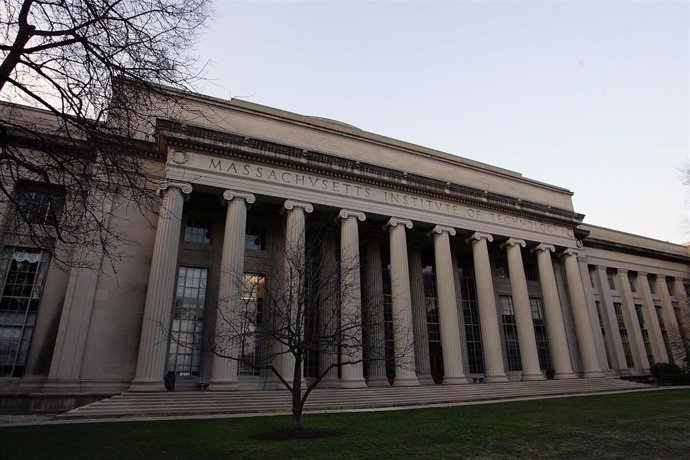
column 425, row 379
column 455, row 380
column 62, row 386
column 406, row 382
column 354, row 383
column 147, row 386
column 329, row 382
column 378, row 382
column 496, row 379
column 223, row 385
column 593, row 375
column 564, row 375
column 532, row 377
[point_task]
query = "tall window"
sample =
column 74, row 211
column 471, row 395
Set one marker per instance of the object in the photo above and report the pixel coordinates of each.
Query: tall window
column 664, row 333
column 388, row 331
column 632, row 279
column 188, row 314
column 501, row 263
column 652, row 283
column 197, row 231
column 252, row 296
column 470, row 311
column 21, row 272
column 540, row 332
column 624, row 335
column 645, row 333
column 431, row 304
column 39, row 204
column 255, row 236
column 510, row 333
column 603, row 333
column 611, row 277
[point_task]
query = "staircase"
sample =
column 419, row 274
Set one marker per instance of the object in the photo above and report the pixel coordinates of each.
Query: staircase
column 191, row 404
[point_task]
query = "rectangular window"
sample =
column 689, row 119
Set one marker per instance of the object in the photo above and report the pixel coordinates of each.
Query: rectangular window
column 611, row 276
column 592, row 274
column 624, row 335
column 21, row 272
column 431, row 304
column 603, row 333
column 664, row 332
column 39, row 204
column 501, row 266
column 510, row 333
column 645, row 334
column 188, row 317
column 197, row 231
column 670, row 286
column 681, row 330
column 388, row 330
column 255, row 236
column 470, row 311
column 531, row 271
column 251, row 323
column 632, row 279
column 540, row 332
column 652, row 284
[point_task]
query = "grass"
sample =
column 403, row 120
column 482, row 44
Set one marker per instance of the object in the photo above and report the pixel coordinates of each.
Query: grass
column 634, row 425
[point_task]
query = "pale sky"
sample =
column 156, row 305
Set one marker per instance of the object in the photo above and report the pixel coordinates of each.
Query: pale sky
column 590, row 96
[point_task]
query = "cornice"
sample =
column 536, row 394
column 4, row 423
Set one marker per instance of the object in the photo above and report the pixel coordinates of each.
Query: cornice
column 171, row 133
column 598, row 243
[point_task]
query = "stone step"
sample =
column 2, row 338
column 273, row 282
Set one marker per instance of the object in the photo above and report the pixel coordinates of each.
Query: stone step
column 278, row 401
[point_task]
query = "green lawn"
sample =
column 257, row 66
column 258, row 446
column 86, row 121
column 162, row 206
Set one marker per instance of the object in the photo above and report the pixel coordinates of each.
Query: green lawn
column 637, row 425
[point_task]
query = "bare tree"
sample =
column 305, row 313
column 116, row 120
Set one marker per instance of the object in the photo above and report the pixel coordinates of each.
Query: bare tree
column 276, row 325
column 97, row 69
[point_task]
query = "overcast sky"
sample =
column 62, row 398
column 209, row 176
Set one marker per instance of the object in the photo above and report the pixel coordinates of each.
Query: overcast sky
column 590, row 96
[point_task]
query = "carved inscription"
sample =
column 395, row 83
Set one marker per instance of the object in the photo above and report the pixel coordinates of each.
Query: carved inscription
column 308, row 181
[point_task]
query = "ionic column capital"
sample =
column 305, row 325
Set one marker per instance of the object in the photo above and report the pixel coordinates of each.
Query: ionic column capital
column 513, row 242
column 543, row 247
column 347, row 213
column 394, row 221
column 184, row 187
column 569, row 252
column 644, row 274
column 229, row 195
column 442, row 229
column 624, row 271
column 480, row 236
column 291, row 204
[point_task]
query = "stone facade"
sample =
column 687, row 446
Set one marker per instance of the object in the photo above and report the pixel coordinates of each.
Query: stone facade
column 489, row 275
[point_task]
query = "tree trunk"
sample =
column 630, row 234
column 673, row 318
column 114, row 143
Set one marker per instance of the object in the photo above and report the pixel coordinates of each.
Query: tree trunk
column 23, row 36
column 297, row 393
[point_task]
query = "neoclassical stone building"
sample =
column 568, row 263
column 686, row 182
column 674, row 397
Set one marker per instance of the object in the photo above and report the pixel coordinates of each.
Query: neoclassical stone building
column 490, row 275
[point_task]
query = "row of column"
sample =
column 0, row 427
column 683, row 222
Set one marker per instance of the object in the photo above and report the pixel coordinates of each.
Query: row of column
column 649, row 314
column 410, row 345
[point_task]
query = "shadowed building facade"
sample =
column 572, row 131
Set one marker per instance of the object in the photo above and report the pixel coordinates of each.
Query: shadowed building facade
column 489, row 276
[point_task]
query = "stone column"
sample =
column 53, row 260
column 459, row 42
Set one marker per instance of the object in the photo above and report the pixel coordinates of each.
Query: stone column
column 403, row 337
column 329, row 312
column 155, row 326
column 523, row 311
column 352, row 375
column 614, row 336
column 375, row 332
column 224, row 365
column 555, row 327
column 669, row 318
column 421, row 331
column 632, row 324
column 294, row 273
column 682, row 321
column 453, row 366
column 649, row 313
column 494, row 370
column 583, row 327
